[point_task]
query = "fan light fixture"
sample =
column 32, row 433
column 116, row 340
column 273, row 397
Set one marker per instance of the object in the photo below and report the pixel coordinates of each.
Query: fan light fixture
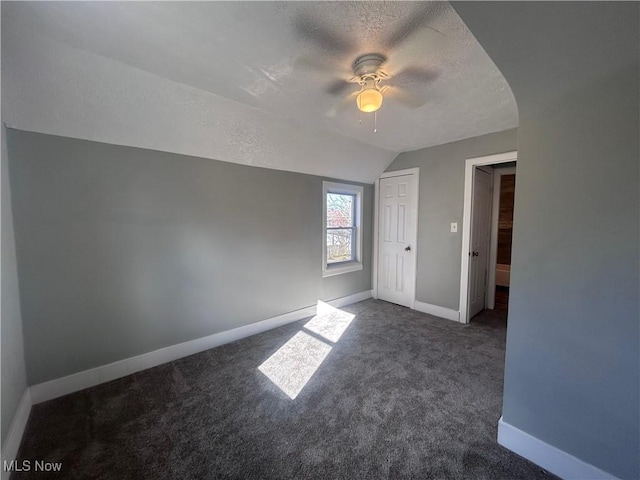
column 368, row 74
column 369, row 100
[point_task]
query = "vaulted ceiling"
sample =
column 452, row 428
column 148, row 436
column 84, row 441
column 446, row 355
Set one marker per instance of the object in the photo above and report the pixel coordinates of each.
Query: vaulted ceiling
column 258, row 83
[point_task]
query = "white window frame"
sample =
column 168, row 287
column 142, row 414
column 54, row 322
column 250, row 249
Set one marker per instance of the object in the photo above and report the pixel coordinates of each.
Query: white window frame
column 354, row 265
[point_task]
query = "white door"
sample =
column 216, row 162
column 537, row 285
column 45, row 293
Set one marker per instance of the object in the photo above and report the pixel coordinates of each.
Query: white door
column 397, row 223
column 480, row 231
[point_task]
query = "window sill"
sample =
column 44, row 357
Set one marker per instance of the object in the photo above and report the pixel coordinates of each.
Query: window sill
column 341, row 268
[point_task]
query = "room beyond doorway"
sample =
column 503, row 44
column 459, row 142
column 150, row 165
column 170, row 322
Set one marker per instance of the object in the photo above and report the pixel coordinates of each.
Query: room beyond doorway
column 500, row 271
column 485, row 277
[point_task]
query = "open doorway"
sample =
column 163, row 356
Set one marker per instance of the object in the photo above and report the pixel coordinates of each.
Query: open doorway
column 486, row 242
column 499, row 268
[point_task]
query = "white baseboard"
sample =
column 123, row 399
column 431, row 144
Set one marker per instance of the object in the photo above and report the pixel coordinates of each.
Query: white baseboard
column 438, row 311
column 348, row 300
column 105, row 373
column 12, row 443
column 547, row 456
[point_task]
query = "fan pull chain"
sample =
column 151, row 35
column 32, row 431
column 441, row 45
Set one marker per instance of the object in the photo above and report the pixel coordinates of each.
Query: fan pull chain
column 375, row 122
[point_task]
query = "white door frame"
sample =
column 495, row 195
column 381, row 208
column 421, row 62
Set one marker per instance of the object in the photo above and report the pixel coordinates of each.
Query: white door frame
column 471, row 163
column 376, row 225
column 493, row 246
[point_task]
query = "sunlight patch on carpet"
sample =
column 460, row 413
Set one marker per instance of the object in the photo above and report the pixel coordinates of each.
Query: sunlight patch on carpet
column 293, row 365
column 330, row 322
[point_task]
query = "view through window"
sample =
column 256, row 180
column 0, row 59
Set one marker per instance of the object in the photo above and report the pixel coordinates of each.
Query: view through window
column 341, row 228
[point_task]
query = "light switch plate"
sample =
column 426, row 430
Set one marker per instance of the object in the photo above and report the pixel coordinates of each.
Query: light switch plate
column 454, row 227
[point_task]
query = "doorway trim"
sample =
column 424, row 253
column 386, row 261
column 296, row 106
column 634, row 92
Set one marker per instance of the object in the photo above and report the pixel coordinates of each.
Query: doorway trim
column 414, row 241
column 471, row 163
column 493, row 244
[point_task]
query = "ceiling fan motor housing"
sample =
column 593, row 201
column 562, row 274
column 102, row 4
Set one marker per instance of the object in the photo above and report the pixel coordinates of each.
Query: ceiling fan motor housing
column 368, row 64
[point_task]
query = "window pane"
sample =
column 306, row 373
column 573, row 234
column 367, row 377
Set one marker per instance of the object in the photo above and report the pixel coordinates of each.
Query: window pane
column 340, row 210
column 340, row 245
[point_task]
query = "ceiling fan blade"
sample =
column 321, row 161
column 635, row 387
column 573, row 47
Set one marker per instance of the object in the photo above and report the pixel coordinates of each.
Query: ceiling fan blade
column 425, row 46
column 339, row 87
column 323, row 66
column 409, row 98
column 331, row 42
column 417, row 20
column 342, row 104
column 414, row 75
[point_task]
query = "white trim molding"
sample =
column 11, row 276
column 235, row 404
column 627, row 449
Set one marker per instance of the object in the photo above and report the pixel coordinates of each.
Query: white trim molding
column 376, row 225
column 547, row 456
column 374, row 262
column 400, row 173
column 438, row 311
column 105, row 373
column 11, row 445
column 470, row 166
column 348, row 300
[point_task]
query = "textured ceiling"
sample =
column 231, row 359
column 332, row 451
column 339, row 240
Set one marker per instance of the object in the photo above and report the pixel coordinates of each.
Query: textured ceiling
column 249, row 82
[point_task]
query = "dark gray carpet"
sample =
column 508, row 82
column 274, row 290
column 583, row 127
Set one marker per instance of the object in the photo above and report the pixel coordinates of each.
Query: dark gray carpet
column 401, row 395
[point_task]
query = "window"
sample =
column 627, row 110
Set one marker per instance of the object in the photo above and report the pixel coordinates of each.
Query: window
column 342, row 237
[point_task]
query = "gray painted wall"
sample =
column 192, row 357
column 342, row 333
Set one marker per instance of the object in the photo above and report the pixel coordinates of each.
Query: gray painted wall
column 573, row 354
column 441, row 202
column 14, row 380
column 123, row 251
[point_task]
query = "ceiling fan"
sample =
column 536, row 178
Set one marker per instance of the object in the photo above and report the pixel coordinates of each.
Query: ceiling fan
column 379, row 75
column 368, row 74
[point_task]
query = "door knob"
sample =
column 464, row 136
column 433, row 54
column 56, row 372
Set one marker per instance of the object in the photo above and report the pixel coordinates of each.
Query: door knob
column 475, row 254
column 407, row 249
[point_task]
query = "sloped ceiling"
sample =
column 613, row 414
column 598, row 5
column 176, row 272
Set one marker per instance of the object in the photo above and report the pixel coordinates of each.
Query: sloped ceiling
column 249, row 82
